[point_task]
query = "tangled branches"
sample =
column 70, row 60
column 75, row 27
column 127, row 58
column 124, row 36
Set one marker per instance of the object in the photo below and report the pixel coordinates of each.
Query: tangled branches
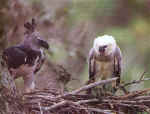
column 47, row 102
column 77, row 102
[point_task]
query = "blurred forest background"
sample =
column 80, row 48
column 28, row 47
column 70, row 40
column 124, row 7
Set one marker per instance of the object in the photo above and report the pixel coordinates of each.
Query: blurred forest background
column 70, row 27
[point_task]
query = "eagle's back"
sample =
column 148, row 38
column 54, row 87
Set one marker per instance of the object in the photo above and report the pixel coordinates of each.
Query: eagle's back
column 21, row 59
column 14, row 57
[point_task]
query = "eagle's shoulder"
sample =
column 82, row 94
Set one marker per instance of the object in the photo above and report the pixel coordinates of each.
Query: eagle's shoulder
column 14, row 57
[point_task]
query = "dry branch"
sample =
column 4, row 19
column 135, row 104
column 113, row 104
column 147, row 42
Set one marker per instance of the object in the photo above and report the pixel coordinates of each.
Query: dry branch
column 102, row 82
column 135, row 82
column 99, row 110
column 86, row 87
column 134, row 94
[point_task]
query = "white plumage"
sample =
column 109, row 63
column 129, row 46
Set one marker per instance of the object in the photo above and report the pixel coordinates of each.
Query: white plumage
column 105, row 59
column 105, row 40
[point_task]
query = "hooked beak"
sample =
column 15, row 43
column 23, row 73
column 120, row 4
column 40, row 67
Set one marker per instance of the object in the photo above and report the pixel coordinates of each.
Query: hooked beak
column 102, row 49
column 43, row 44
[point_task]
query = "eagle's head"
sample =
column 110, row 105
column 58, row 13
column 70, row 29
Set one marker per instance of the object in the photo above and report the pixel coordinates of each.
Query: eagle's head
column 104, row 45
column 33, row 38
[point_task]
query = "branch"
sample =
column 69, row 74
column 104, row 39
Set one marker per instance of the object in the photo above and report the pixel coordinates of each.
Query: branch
column 134, row 94
column 86, row 87
column 102, row 82
column 142, row 76
column 86, row 101
column 60, row 104
column 63, row 103
column 41, row 111
column 134, row 82
column 100, row 110
column 142, row 97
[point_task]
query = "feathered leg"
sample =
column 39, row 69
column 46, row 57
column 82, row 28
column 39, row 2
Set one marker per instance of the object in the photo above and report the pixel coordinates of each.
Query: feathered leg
column 29, row 83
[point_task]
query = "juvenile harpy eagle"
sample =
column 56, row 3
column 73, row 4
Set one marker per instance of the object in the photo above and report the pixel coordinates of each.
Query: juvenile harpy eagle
column 105, row 60
column 26, row 58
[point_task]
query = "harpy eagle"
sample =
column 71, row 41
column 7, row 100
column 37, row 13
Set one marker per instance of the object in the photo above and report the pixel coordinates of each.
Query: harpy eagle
column 26, row 58
column 105, row 60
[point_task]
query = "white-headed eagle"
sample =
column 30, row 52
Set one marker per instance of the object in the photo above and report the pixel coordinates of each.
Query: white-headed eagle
column 105, row 60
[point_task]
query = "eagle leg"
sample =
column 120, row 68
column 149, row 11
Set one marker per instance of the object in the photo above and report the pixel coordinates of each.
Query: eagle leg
column 29, row 83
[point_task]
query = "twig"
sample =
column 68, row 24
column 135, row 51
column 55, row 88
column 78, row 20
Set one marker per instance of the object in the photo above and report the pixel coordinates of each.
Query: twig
column 134, row 82
column 122, row 87
column 93, row 85
column 86, row 101
column 57, row 105
column 132, row 102
column 142, row 76
column 100, row 110
column 141, row 107
column 142, row 97
column 86, row 87
column 41, row 111
column 133, row 94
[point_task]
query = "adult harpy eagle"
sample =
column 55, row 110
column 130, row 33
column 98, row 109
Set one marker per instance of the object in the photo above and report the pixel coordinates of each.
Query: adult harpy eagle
column 26, row 58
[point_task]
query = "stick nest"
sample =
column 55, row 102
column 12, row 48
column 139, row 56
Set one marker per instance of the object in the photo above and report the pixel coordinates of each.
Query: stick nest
column 75, row 102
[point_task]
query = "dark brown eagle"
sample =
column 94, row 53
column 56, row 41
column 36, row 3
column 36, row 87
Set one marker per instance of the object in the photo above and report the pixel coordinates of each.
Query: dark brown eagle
column 26, row 58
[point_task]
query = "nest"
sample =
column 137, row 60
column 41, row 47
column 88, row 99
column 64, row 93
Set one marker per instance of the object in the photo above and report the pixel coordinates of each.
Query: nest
column 46, row 102
column 75, row 102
